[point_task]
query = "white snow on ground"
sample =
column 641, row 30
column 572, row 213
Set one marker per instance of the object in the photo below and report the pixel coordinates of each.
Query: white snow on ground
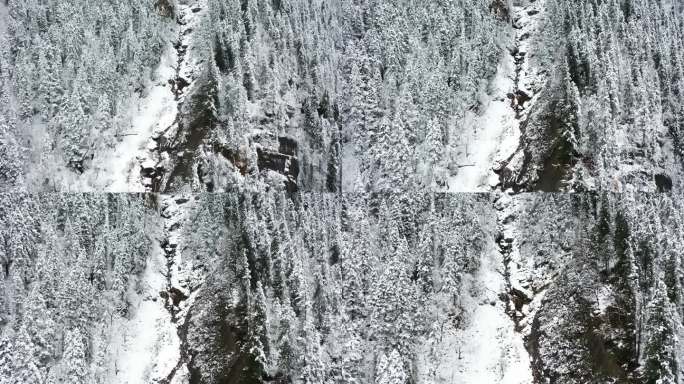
column 351, row 177
column 191, row 19
column 489, row 136
column 146, row 347
column 188, row 67
column 604, row 298
column 531, row 77
column 484, row 347
column 3, row 18
column 118, row 169
column 490, row 349
column 176, row 209
column 493, row 136
column 482, row 344
column 156, row 112
column 519, row 269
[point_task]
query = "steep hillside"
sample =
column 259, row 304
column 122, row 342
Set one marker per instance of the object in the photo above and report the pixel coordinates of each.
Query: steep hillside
column 596, row 281
column 270, row 287
column 354, row 96
column 609, row 115
column 72, row 75
column 72, row 278
column 352, row 191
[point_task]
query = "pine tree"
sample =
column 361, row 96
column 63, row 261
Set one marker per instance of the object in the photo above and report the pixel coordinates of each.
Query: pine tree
column 659, row 361
column 430, row 153
column 390, row 369
column 10, row 155
column 392, row 157
column 49, row 87
column 24, row 84
column 72, row 367
column 24, row 368
column 353, row 119
column 73, row 120
column 258, row 343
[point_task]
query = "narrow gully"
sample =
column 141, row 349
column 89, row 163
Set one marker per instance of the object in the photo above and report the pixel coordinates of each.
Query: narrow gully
column 525, row 21
column 158, row 163
column 177, row 302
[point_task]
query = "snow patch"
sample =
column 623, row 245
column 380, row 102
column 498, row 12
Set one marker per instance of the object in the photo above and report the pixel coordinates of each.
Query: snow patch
column 118, row 169
column 521, row 273
column 176, row 208
column 487, row 348
column 146, row 347
column 604, row 298
column 4, row 19
column 489, row 137
column 156, row 112
column 188, row 56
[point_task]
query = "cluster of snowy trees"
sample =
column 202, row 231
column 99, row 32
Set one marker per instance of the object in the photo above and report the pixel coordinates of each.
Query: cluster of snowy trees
column 611, row 116
column 325, row 288
column 373, row 93
column 411, row 70
column 68, row 70
column 271, row 69
column 366, row 99
column 328, row 288
column 68, row 263
column 612, row 305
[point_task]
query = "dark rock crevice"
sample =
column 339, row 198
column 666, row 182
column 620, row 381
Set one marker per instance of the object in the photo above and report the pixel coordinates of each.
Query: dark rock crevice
column 176, row 299
column 175, row 148
column 547, row 118
column 515, row 300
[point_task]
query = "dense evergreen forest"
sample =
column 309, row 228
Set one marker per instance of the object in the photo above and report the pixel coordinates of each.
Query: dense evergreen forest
column 354, row 191
column 342, row 288
column 352, row 96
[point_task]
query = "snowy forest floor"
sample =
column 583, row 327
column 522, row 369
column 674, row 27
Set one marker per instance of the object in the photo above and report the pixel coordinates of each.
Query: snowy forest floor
column 489, row 348
column 117, row 169
column 494, row 328
column 494, row 135
column 131, row 164
column 156, row 111
column 3, row 18
column 148, row 348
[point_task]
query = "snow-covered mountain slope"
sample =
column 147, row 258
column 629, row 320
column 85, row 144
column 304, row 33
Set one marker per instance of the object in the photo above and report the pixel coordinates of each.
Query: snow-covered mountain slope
column 337, row 191
column 355, row 96
column 486, row 345
column 75, row 287
column 254, row 287
column 74, row 81
column 488, row 151
column 145, row 346
column 10, row 149
column 597, row 124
